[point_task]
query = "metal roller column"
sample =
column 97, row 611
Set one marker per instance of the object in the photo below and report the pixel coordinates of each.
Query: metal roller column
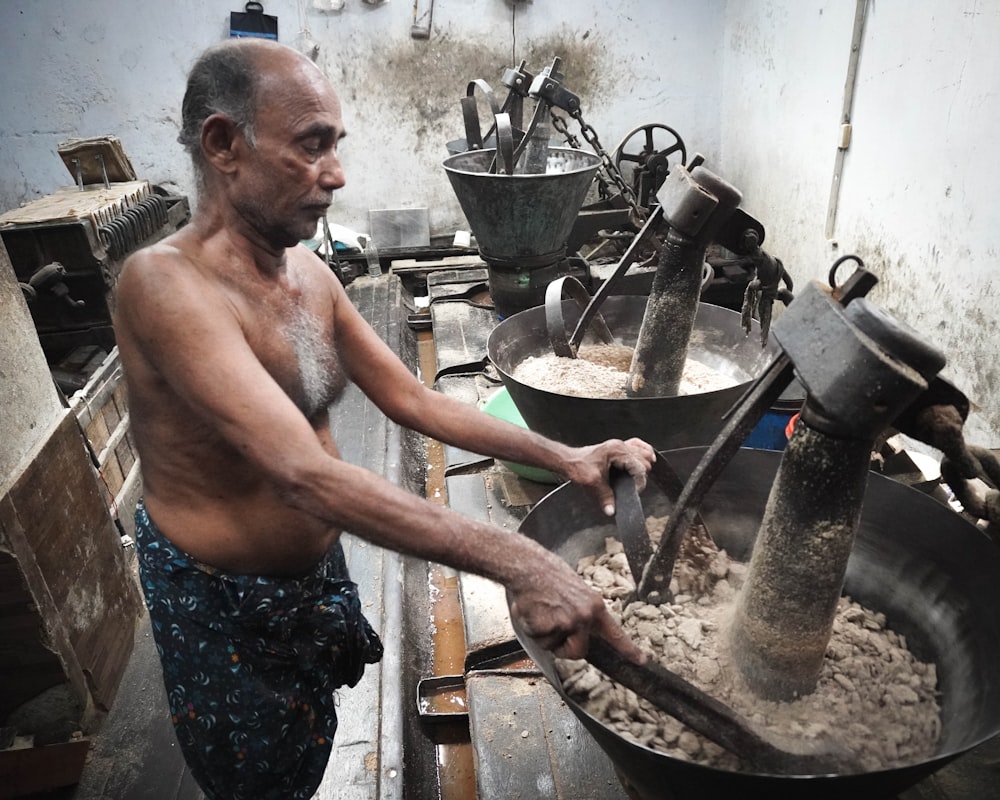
column 861, row 368
column 694, row 204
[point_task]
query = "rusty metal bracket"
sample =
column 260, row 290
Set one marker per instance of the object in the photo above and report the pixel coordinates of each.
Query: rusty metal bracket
column 547, row 87
column 841, row 355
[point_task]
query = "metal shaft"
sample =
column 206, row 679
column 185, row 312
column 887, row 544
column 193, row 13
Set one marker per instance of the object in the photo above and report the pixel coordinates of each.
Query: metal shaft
column 784, row 615
column 861, row 367
column 661, row 349
column 696, row 206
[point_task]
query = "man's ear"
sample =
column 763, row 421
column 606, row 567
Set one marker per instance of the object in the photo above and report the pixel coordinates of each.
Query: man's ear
column 221, row 142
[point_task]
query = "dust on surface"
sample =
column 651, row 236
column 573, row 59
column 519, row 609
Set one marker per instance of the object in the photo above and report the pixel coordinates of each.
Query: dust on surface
column 873, row 696
column 600, row 371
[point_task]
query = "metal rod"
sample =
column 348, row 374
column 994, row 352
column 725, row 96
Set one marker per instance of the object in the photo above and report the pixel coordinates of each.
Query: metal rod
column 860, row 12
column 104, row 169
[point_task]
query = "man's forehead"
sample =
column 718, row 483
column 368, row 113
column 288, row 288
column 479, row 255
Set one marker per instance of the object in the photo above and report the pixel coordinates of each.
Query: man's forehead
column 291, row 70
column 300, row 94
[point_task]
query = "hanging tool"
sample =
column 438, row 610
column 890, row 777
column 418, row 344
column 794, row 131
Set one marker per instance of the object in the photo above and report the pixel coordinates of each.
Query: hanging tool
column 764, row 288
column 421, row 29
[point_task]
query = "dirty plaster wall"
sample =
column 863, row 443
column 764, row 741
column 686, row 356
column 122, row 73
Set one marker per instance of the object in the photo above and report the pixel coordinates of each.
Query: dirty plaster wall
column 917, row 197
column 119, row 68
column 755, row 85
column 29, row 404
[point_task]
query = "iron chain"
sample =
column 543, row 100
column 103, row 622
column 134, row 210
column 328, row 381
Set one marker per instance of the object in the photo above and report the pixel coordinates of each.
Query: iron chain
column 639, row 214
column 560, row 125
column 609, row 167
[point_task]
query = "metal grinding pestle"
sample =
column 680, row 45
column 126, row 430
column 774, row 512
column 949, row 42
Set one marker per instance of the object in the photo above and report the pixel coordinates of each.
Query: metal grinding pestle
column 860, row 368
column 699, row 208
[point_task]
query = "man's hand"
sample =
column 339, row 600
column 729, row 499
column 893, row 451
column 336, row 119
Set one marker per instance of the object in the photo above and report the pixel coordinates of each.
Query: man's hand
column 591, row 467
column 557, row 608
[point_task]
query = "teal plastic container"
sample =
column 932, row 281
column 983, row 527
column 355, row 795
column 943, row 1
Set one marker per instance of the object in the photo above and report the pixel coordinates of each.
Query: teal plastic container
column 501, row 405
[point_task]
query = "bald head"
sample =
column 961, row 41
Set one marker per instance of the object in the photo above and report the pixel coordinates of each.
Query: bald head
column 227, row 79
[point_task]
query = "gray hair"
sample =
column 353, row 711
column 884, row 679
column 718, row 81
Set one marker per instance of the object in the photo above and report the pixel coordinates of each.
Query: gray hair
column 222, row 81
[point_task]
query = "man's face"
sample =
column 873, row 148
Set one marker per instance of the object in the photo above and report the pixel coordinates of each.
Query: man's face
column 287, row 178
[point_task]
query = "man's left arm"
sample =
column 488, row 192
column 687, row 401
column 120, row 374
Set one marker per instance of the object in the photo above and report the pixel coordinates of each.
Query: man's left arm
column 381, row 375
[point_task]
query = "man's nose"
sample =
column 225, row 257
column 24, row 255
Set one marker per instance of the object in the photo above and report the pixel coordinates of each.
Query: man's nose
column 332, row 172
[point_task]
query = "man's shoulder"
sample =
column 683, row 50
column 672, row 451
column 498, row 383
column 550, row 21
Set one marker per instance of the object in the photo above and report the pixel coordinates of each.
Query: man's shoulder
column 313, row 271
column 167, row 261
column 159, row 282
column 162, row 255
column 308, row 260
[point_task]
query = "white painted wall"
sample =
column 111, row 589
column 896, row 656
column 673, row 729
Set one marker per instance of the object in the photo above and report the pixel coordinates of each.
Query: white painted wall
column 917, row 197
column 107, row 66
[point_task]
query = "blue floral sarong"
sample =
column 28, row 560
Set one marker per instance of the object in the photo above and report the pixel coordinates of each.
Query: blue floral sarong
column 250, row 666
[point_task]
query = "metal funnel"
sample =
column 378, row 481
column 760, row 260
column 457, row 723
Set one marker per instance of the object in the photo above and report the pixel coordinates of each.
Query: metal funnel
column 521, row 222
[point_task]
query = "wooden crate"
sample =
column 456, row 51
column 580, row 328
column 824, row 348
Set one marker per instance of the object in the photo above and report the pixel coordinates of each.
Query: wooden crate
column 30, row 770
column 69, row 598
column 101, row 409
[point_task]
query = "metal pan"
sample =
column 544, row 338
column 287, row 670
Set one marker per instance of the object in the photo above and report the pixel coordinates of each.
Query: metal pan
column 718, row 341
column 929, row 571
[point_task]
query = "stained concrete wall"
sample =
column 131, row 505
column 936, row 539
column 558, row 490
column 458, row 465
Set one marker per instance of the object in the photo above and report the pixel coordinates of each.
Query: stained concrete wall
column 29, row 405
column 756, row 85
column 112, row 67
column 917, row 195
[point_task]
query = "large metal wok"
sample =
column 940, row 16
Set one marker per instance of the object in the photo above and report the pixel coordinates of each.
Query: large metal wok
column 929, row 571
column 717, row 340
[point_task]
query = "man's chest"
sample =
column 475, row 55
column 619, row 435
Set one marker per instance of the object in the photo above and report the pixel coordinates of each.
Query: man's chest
column 296, row 345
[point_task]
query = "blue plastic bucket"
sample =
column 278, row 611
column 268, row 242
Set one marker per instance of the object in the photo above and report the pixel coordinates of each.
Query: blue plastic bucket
column 770, row 431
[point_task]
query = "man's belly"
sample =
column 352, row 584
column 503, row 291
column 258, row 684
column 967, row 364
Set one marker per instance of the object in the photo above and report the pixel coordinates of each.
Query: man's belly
column 255, row 534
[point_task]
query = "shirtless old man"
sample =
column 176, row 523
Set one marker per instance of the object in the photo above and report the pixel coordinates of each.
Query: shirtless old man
column 235, row 340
